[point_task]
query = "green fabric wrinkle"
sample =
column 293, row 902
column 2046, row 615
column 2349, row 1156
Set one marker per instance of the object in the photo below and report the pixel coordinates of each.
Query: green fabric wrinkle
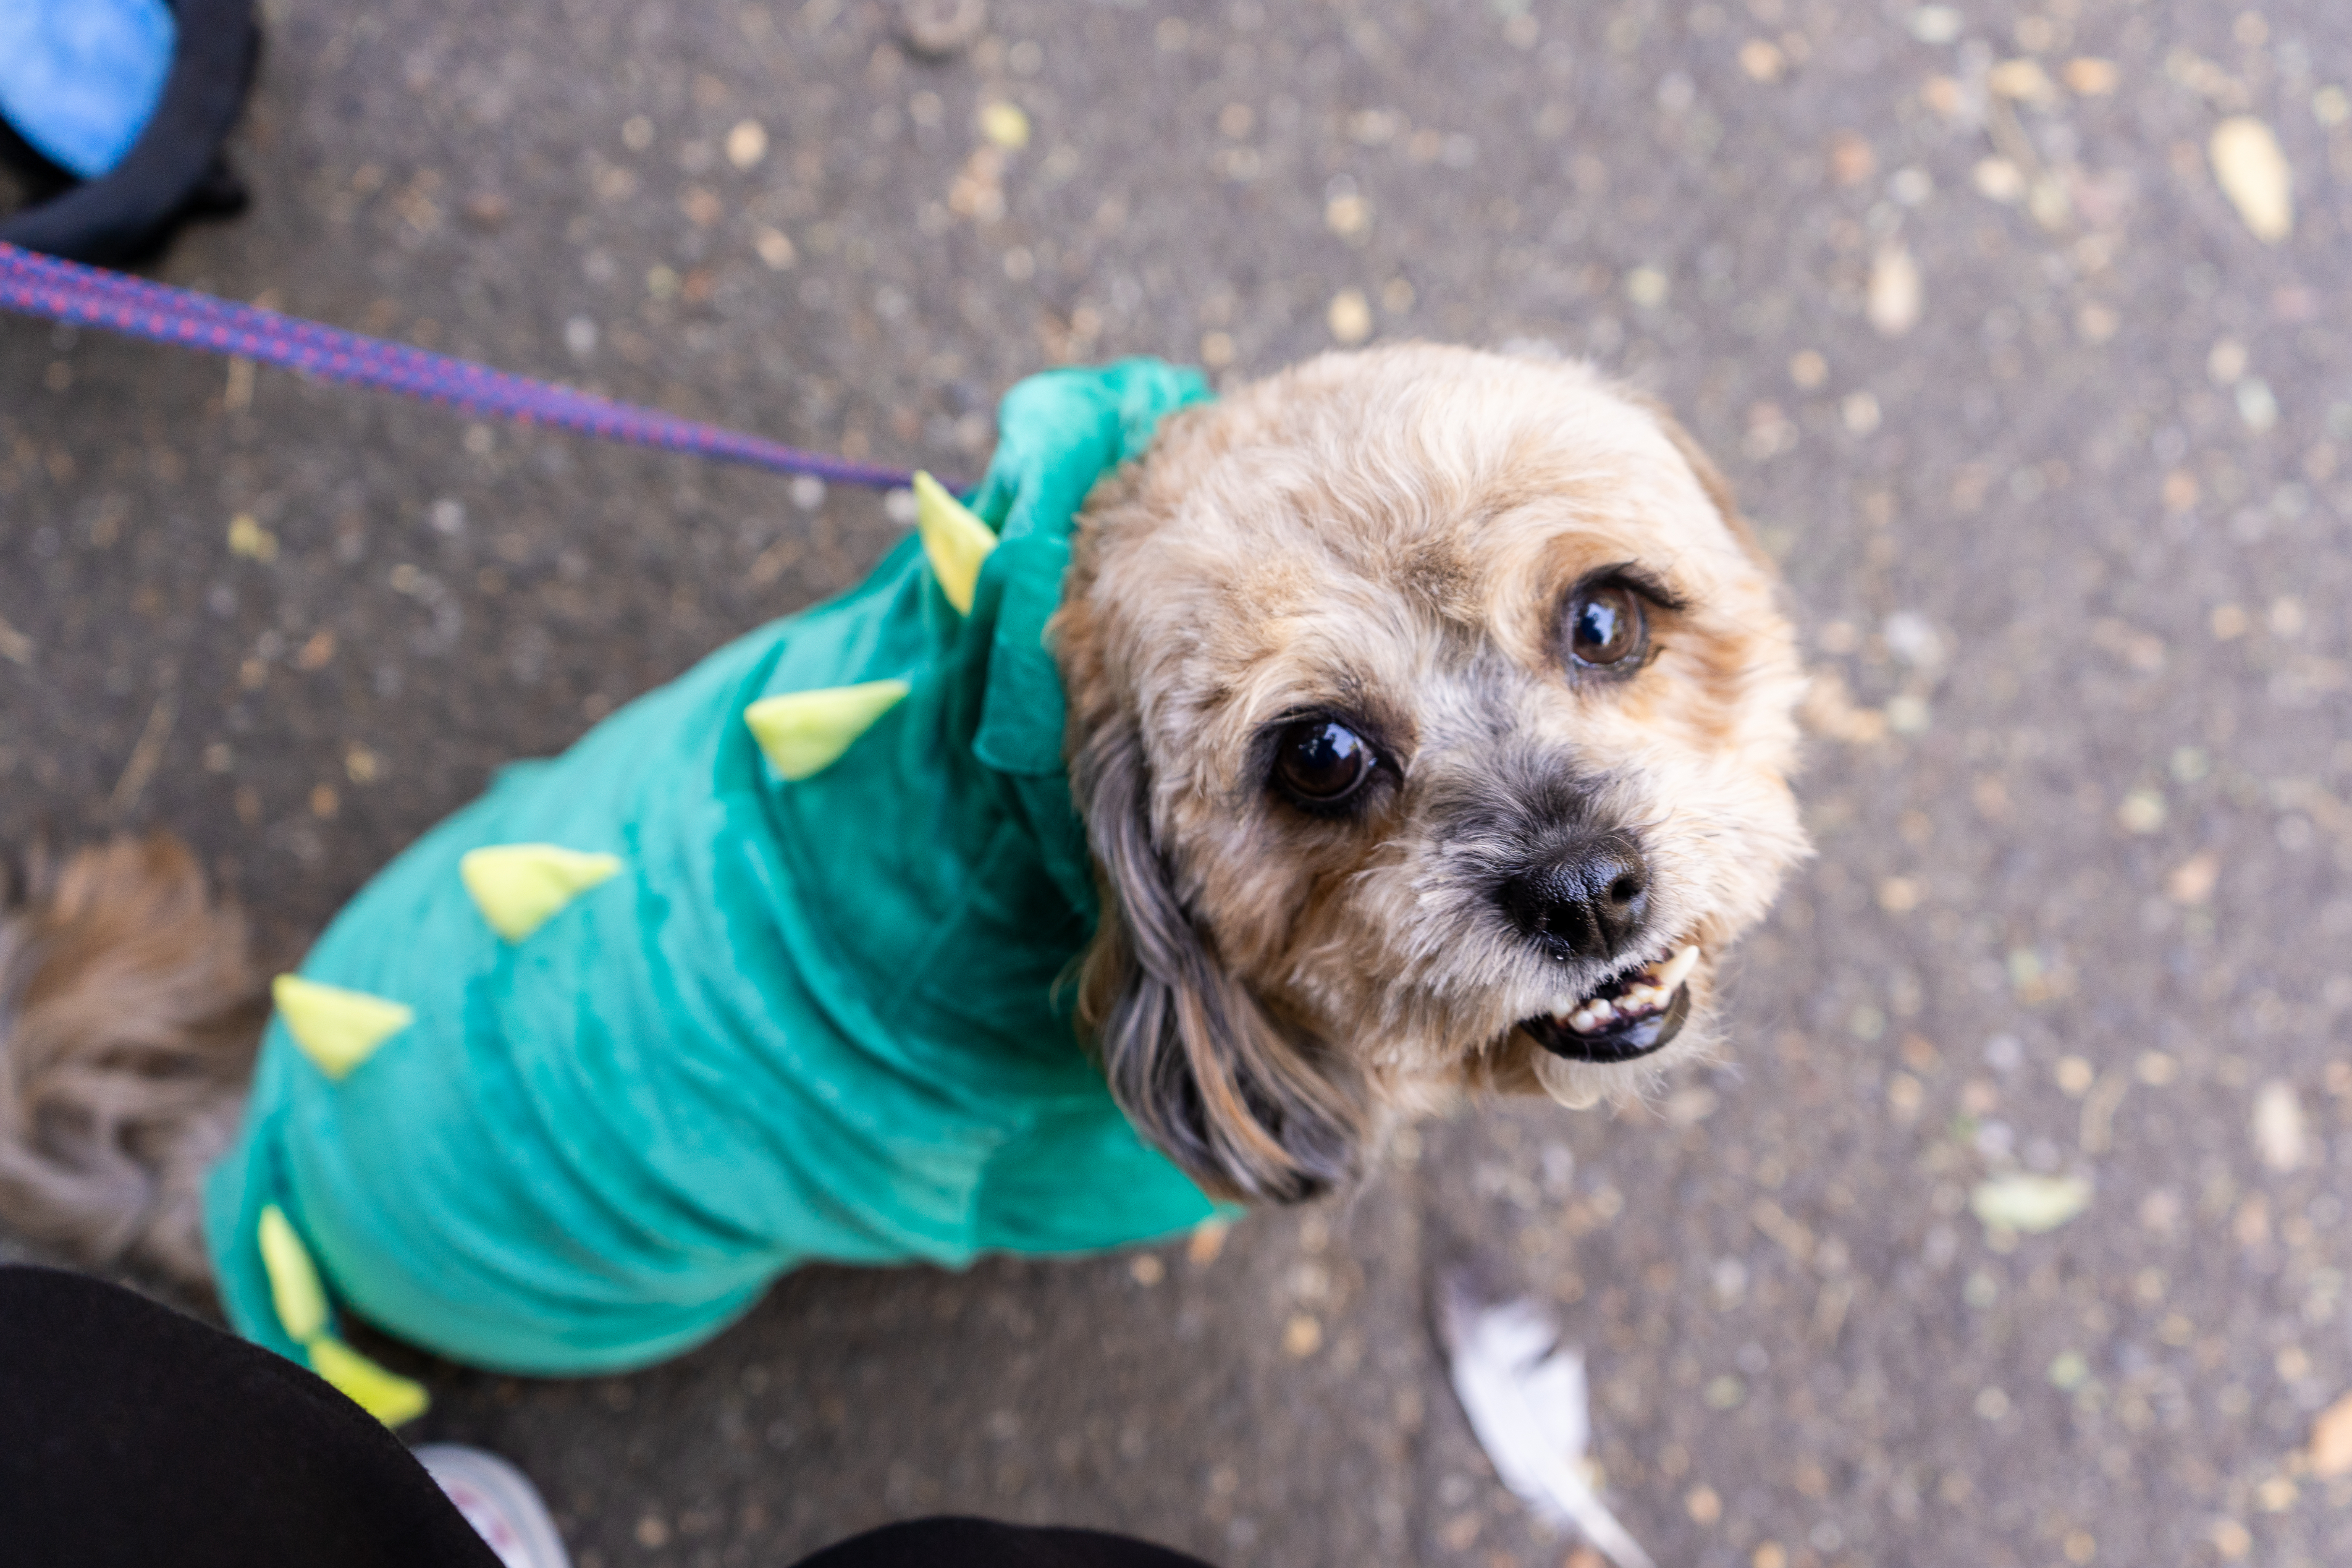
column 822, row 1019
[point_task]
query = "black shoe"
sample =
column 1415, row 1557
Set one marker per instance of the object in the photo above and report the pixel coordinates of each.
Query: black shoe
column 176, row 171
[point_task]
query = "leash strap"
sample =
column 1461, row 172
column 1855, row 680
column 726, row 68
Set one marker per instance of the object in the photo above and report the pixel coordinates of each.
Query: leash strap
column 67, row 291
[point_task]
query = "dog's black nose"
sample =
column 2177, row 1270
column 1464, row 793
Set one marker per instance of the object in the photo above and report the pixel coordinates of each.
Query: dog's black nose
column 1586, row 902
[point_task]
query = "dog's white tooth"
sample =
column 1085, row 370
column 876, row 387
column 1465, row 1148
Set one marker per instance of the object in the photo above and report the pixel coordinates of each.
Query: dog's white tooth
column 1674, row 970
column 1580, row 1021
column 1602, row 1010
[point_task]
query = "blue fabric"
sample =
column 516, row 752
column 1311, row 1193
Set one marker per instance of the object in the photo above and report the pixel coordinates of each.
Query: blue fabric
column 81, row 78
column 824, row 1018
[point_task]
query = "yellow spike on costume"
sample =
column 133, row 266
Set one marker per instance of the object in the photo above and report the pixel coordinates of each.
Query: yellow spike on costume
column 520, row 887
column 955, row 540
column 301, row 1302
column 386, row 1395
column 294, row 1287
column 336, row 1029
column 804, row 733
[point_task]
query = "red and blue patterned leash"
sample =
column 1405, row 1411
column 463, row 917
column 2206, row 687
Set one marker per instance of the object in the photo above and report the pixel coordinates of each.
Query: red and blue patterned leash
column 81, row 295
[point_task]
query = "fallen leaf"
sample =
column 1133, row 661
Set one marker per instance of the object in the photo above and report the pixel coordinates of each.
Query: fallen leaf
column 2141, row 811
column 1208, row 1239
column 1937, row 24
column 1761, row 60
column 1689, row 1106
column 2191, row 882
column 250, row 539
column 2257, row 403
column 2098, row 1124
column 2030, row 1203
column 1999, row 179
column 2279, row 1137
column 1851, row 159
column 1894, row 291
column 2024, row 81
column 2047, row 200
column 2092, row 78
column 2254, row 175
column 2331, row 1441
column 1351, row 316
column 747, row 143
column 775, row 248
column 1829, row 709
column 1783, row 1227
column 1908, row 713
column 1348, row 216
column 1004, row 124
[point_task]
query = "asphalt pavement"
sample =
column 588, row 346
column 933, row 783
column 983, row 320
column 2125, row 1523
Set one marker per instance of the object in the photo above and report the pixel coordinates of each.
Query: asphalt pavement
column 2023, row 335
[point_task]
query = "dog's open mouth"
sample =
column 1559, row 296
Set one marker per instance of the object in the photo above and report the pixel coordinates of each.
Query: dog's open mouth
column 1628, row 1015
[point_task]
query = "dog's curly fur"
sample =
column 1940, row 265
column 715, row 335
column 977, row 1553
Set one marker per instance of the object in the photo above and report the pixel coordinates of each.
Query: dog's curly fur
column 128, row 1014
column 1389, row 537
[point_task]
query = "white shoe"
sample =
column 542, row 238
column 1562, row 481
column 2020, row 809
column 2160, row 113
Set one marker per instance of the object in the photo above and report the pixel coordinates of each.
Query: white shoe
column 499, row 1502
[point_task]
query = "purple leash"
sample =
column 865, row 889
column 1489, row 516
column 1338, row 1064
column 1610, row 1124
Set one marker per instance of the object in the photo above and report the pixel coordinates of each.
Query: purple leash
column 82, row 296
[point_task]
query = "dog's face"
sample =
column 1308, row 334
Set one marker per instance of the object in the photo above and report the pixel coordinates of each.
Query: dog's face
column 1431, row 716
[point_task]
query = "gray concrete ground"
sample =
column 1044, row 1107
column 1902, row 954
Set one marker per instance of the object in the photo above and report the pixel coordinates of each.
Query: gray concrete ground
column 2056, row 449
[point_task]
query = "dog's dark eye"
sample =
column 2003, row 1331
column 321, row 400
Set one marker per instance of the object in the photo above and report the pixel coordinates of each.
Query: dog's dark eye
column 1320, row 762
column 1605, row 626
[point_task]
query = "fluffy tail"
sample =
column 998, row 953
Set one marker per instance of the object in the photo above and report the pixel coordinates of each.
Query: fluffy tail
column 128, row 1014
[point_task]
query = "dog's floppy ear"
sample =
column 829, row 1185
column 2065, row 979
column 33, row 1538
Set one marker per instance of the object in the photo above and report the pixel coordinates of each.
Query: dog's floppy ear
column 1193, row 1058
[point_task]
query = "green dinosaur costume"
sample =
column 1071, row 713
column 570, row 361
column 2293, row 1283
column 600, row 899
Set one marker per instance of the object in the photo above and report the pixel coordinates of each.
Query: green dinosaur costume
column 771, row 966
